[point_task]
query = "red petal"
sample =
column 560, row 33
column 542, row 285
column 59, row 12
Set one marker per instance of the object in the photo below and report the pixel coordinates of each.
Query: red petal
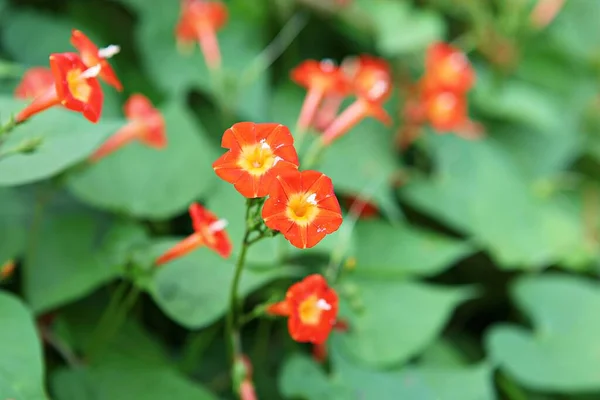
column 182, row 248
column 282, row 308
column 35, row 82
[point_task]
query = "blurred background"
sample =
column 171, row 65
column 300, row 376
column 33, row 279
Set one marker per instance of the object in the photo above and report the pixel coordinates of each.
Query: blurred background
column 472, row 273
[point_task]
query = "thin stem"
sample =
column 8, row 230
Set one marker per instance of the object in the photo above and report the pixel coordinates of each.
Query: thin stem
column 232, row 325
column 61, row 347
column 510, row 389
column 252, row 315
column 195, row 345
column 312, row 154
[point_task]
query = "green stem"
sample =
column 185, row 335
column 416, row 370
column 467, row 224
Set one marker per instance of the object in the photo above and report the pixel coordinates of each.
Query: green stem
column 312, row 154
column 196, row 343
column 512, row 391
column 232, row 325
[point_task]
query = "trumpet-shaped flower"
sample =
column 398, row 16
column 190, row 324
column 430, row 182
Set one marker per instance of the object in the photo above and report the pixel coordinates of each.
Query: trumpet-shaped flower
column 311, row 307
column 320, row 78
column 303, row 207
column 371, row 82
column 257, row 154
column 35, row 82
column 146, row 124
column 209, row 231
column 75, row 87
column 200, row 20
column 446, row 111
column 447, row 68
column 92, row 56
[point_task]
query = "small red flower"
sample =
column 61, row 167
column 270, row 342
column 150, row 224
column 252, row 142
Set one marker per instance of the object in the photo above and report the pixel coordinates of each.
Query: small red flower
column 446, row 111
column 146, row 124
column 92, row 56
column 320, row 78
column 35, row 82
column 75, row 87
column 311, row 307
column 257, row 153
column 544, row 12
column 372, row 83
column 209, row 231
column 200, row 20
column 303, row 207
column 447, row 68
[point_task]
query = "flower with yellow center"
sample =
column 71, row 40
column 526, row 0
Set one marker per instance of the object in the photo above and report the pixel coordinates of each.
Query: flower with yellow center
column 312, row 307
column 303, row 207
column 257, row 154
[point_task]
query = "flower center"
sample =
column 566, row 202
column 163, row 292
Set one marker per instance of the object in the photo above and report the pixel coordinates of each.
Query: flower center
column 310, row 310
column 443, row 106
column 209, row 231
column 78, row 86
column 257, row 159
column 302, row 208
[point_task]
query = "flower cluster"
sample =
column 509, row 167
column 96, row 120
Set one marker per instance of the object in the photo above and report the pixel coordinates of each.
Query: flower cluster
column 71, row 80
column 200, row 20
column 366, row 78
column 261, row 161
column 441, row 94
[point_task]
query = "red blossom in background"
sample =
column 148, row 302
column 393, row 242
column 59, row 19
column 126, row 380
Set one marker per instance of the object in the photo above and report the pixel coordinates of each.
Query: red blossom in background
column 35, row 82
column 365, row 209
column 7, row 269
column 209, row 231
column 146, row 124
column 311, row 307
column 447, row 68
column 75, row 87
column 92, row 56
column 303, row 207
column 200, row 20
column 257, row 154
column 321, row 79
column 371, row 81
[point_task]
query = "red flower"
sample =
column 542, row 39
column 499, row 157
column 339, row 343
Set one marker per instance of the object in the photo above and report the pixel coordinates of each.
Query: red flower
column 209, row 231
column 35, row 82
column 92, row 56
column 200, row 20
column 448, row 68
column 446, row 111
column 320, row 78
column 146, row 124
column 303, row 207
column 311, row 307
column 257, row 153
column 371, row 82
column 75, row 87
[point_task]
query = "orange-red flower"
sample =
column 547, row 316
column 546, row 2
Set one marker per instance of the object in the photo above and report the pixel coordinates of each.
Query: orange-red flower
column 35, row 82
column 200, row 20
column 209, row 231
column 320, row 78
column 303, row 207
column 75, row 87
column 311, row 307
column 544, row 12
column 7, row 269
column 257, row 153
column 446, row 111
column 146, row 124
column 92, row 56
column 447, row 68
column 371, row 83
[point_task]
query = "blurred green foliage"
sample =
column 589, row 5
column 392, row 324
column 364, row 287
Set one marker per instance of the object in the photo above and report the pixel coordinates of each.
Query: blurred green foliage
column 478, row 281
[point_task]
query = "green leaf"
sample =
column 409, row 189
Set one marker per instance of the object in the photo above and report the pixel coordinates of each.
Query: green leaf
column 477, row 188
column 75, row 254
column 301, row 377
column 402, row 29
column 576, row 29
column 67, row 138
column 388, row 250
column 559, row 354
column 194, row 290
column 134, row 365
column 385, row 328
column 151, row 183
column 12, row 220
column 21, row 364
column 239, row 40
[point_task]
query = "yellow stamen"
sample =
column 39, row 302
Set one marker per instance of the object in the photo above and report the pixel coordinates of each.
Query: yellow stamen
column 257, row 159
column 302, row 208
